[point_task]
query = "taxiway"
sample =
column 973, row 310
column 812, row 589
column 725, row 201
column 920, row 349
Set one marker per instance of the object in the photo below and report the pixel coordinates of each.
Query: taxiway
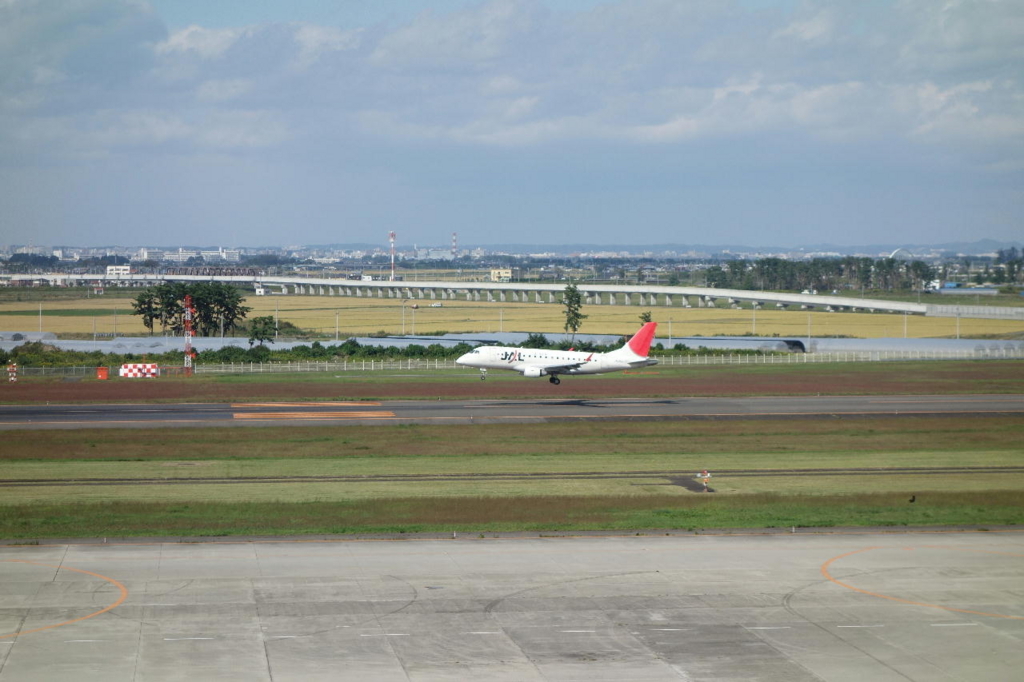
column 796, row 607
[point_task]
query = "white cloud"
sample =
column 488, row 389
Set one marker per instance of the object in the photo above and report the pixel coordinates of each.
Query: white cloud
column 204, row 42
column 963, row 112
column 315, row 41
column 241, row 130
column 659, row 80
column 817, row 29
column 223, row 90
column 138, row 128
column 469, row 39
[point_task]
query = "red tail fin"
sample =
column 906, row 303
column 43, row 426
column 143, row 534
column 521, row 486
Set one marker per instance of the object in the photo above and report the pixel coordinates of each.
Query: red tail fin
column 641, row 341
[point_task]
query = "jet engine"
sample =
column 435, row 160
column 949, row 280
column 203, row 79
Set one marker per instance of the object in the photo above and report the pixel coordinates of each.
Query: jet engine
column 533, row 372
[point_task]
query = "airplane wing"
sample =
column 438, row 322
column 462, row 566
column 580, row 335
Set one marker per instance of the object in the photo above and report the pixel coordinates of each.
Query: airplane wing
column 555, row 367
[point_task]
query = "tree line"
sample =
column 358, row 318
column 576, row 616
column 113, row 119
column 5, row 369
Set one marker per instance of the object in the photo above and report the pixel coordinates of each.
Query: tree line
column 822, row 274
column 40, row 354
column 858, row 273
column 218, row 307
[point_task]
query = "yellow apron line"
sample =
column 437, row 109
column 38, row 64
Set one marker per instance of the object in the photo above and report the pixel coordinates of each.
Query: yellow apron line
column 120, row 600
column 828, row 576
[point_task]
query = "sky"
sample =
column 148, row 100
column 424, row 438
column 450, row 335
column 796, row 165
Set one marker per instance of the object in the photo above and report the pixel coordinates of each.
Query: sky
column 640, row 122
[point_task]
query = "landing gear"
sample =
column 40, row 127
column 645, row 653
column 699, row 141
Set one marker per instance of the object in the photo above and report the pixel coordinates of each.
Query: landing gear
column 483, row 374
column 555, row 380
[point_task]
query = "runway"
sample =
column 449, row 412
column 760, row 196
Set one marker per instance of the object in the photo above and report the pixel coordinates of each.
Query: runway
column 794, row 607
column 495, row 411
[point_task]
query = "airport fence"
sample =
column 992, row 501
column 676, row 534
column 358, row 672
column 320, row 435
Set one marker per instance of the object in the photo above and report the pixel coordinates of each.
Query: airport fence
column 412, row 364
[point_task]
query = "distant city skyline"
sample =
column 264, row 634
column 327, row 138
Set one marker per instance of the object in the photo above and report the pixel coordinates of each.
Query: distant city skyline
column 767, row 123
column 233, row 253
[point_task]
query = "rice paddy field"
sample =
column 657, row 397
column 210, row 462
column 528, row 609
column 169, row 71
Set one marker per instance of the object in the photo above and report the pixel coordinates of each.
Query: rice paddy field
column 330, row 316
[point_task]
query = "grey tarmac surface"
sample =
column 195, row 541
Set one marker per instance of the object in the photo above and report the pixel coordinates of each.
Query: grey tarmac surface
column 495, row 411
column 929, row 606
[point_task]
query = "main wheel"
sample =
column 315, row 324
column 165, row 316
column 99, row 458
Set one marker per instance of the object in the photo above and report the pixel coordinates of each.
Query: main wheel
column 555, row 380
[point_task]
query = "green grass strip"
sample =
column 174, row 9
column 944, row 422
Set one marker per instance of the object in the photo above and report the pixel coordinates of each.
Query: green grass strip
column 491, row 514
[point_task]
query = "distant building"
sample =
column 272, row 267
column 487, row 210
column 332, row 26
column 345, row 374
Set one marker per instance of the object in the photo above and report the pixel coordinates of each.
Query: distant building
column 180, row 256
column 115, row 271
column 501, row 275
column 222, row 254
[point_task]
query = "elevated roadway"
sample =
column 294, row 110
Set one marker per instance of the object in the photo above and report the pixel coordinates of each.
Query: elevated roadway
column 500, row 292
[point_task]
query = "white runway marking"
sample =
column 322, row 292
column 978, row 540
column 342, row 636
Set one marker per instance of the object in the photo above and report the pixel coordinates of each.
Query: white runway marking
column 184, row 639
column 779, row 627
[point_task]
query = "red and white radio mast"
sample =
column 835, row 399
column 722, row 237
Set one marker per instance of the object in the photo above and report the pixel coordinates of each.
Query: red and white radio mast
column 187, row 320
column 391, row 238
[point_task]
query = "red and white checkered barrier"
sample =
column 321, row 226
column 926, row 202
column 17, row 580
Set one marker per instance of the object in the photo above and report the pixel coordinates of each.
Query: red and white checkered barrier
column 139, row 370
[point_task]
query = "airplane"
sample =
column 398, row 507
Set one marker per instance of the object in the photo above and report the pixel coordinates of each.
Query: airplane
column 538, row 362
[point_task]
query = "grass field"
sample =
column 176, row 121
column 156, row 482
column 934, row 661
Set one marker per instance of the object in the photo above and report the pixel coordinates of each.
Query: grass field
column 360, row 316
column 611, row 475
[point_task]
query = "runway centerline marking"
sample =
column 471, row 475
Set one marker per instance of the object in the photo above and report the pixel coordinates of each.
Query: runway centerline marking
column 828, row 576
column 115, row 583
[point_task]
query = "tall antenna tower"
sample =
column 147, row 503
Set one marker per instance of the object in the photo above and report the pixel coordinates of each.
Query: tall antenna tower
column 455, row 245
column 391, row 238
column 188, row 315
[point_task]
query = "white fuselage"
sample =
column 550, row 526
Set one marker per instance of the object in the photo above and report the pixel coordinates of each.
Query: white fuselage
column 539, row 362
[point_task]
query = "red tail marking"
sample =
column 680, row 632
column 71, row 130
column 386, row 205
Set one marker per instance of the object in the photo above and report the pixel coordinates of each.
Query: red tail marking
column 641, row 341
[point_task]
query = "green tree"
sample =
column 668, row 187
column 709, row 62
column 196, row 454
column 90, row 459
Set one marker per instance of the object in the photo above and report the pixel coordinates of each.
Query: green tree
column 146, row 306
column 645, row 317
column 573, row 302
column 218, row 307
column 261, row 329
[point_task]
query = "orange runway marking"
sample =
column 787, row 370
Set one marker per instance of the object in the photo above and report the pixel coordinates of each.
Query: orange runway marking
column 115, row 583
column 824, row 571
column 311, row 416
column 353, row 403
